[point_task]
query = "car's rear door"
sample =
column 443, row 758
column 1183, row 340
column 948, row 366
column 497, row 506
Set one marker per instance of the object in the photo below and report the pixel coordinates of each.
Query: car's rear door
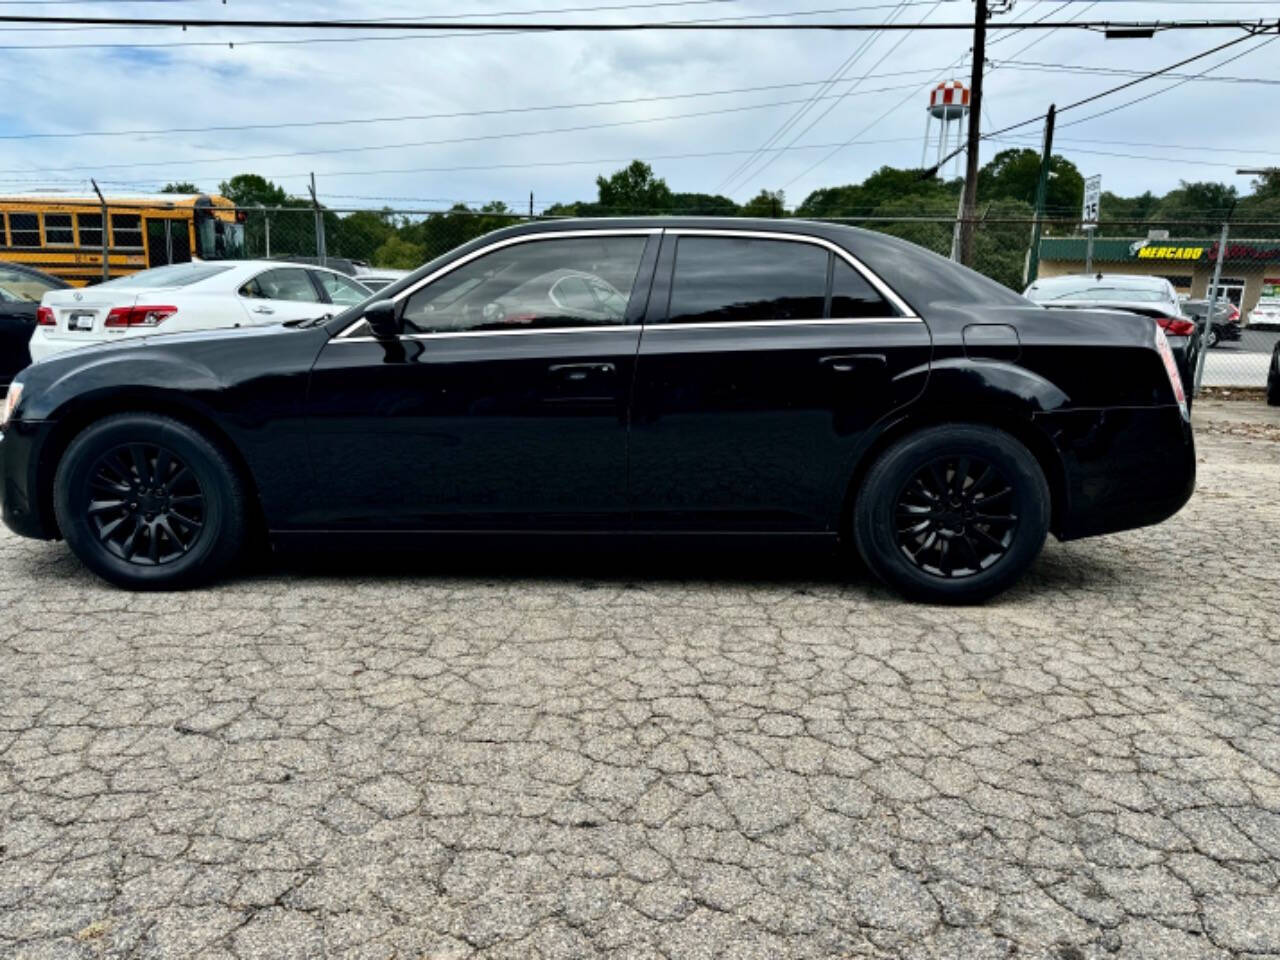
column 764, row 360
column 492, row 411
column 281, row 293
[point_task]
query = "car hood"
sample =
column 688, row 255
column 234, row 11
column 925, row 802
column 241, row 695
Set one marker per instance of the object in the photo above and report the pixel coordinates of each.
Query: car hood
column 176, row 361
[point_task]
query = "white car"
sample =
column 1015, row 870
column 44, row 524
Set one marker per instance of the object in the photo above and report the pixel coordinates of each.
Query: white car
column 189, row 296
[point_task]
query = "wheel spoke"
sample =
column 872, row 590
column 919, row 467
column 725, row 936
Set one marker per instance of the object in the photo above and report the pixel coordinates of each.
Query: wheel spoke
column 954, row 516
column 138, row 480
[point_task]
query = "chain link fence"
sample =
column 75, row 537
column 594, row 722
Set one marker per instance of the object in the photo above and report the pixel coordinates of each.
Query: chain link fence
column 1239, row 341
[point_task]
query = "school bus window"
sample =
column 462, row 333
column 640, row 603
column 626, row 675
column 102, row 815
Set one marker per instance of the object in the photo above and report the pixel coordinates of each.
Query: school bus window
column 57, row 229
column 126, row 231
column 24, row 229
column 90, row 229
column 4, row 234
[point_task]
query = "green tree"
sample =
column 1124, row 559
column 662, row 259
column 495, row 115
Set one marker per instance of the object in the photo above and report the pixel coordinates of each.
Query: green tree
column 399, row 254
column 1015, row 175
column 251, row 190
column 359, row 235
column 703, row 205
column 766, row 203
column 182, row 186
column 633, row 190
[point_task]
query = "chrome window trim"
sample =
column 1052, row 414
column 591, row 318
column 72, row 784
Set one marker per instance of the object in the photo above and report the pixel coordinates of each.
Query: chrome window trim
column 492, row 248
column 882, row 288
column 907, row 315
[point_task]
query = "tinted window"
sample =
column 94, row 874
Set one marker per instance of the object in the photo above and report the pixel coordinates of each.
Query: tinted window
column 852, row 296
column 126, row 231
column 90, row 229
column 341, row 291
column 721, row 279
column 543, row 283
column 24, row 229
column 22, row 286
column 176, row 275
column 286, row 283
column 57, row 229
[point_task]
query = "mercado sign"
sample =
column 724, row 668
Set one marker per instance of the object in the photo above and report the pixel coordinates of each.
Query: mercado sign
column 1165, row 252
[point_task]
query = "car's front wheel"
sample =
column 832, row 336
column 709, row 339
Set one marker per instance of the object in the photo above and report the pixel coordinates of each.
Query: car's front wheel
column 147, row 502
column 952, row 514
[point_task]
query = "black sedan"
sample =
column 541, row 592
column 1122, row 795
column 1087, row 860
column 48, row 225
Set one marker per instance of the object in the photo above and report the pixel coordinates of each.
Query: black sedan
column 1273, row 377
column 21, row 288
column 719, row 378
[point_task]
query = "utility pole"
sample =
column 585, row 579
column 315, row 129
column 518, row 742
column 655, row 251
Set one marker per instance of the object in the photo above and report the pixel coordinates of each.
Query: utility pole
column 530, row 204
column 106, row 248
column 969, row 200
column 321, row 253
column 1198, row 377
column 1042, row 190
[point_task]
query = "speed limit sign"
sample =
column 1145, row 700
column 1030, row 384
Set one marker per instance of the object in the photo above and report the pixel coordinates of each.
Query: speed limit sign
column 1092, row 200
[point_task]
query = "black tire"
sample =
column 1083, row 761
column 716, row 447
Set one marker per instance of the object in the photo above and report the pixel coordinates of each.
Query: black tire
column 1212, row 340
column 988, row 538
column 149, row 503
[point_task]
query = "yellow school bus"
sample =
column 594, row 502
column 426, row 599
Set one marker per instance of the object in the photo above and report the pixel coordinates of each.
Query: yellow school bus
column 64, row 235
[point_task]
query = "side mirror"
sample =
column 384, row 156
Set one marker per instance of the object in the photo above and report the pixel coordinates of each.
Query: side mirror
column 383, row 320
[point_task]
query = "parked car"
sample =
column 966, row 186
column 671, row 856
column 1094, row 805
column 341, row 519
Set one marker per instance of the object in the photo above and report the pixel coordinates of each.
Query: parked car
column 1273, row 377
column 189, row 296
column 1226, row 320
column 756, row 378
column 1266, row 314
column 1152, row 297
column 378, row 278
column 21, row 288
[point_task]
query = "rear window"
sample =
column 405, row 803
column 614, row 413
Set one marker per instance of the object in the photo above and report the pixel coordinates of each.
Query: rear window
column 174, row 275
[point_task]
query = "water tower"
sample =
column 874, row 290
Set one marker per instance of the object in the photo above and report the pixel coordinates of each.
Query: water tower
column 948, row 104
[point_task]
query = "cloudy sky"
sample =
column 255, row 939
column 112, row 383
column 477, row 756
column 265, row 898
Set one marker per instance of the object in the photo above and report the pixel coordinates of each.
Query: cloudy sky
column 475, row 118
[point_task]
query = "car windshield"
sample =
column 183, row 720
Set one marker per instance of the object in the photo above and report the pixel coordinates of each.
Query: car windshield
column 174, row 275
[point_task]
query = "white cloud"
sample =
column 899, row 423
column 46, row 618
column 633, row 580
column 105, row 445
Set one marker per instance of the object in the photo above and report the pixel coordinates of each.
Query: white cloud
column 65, row 90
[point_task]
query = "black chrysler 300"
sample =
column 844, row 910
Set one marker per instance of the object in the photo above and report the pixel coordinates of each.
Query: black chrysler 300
column 653, row 378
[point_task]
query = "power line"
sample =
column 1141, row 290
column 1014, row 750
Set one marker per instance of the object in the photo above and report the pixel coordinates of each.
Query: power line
column 795, row 117
column 770, row 160
column 1153, row 26
column 446, row 141
column 462, row 30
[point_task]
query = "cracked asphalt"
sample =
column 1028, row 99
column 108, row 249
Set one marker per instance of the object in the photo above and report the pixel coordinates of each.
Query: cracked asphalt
column 674, row 756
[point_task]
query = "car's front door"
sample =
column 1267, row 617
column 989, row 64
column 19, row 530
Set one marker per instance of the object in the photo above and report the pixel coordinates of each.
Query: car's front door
column 281, row 293
column 499, row 407
column 765, row 358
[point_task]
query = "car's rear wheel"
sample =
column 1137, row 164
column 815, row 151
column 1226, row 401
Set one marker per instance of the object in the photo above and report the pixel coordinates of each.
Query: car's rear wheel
column 952, row 514
column 147, row 502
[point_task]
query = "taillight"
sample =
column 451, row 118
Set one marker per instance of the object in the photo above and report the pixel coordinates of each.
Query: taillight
column 1176, row 326
column 1171, row 368
column 138, row 316
column 44, row 317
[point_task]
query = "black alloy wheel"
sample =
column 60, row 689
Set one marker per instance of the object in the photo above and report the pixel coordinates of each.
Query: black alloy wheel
column 149, row 502
column 147, row 506
column 952, row 513
column 956, row 516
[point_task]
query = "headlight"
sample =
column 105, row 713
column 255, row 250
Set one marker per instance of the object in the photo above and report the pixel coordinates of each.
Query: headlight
column 10, row 402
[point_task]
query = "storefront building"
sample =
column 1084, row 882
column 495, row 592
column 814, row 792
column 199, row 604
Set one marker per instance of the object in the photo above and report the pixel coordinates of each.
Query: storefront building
column 1250, row 269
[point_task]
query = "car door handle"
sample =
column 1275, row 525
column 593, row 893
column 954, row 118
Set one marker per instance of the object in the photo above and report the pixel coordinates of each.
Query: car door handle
column 854, row 362
column 577, row 372
column 263, row 309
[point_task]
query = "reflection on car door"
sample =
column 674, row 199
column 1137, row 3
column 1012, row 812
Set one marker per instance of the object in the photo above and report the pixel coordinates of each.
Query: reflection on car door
column 764, row 360
column 281, row 293
column 488, row 413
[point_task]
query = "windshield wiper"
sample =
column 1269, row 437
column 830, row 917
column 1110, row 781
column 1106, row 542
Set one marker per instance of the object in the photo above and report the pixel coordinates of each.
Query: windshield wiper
column 309, row 321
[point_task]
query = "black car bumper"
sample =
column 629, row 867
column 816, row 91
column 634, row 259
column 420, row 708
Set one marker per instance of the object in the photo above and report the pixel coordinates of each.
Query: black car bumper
column 20, row 503
column 1227, row 331
column 1124, row 468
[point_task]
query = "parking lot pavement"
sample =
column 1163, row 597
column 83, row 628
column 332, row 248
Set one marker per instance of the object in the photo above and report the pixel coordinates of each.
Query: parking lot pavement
column 666, row 757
